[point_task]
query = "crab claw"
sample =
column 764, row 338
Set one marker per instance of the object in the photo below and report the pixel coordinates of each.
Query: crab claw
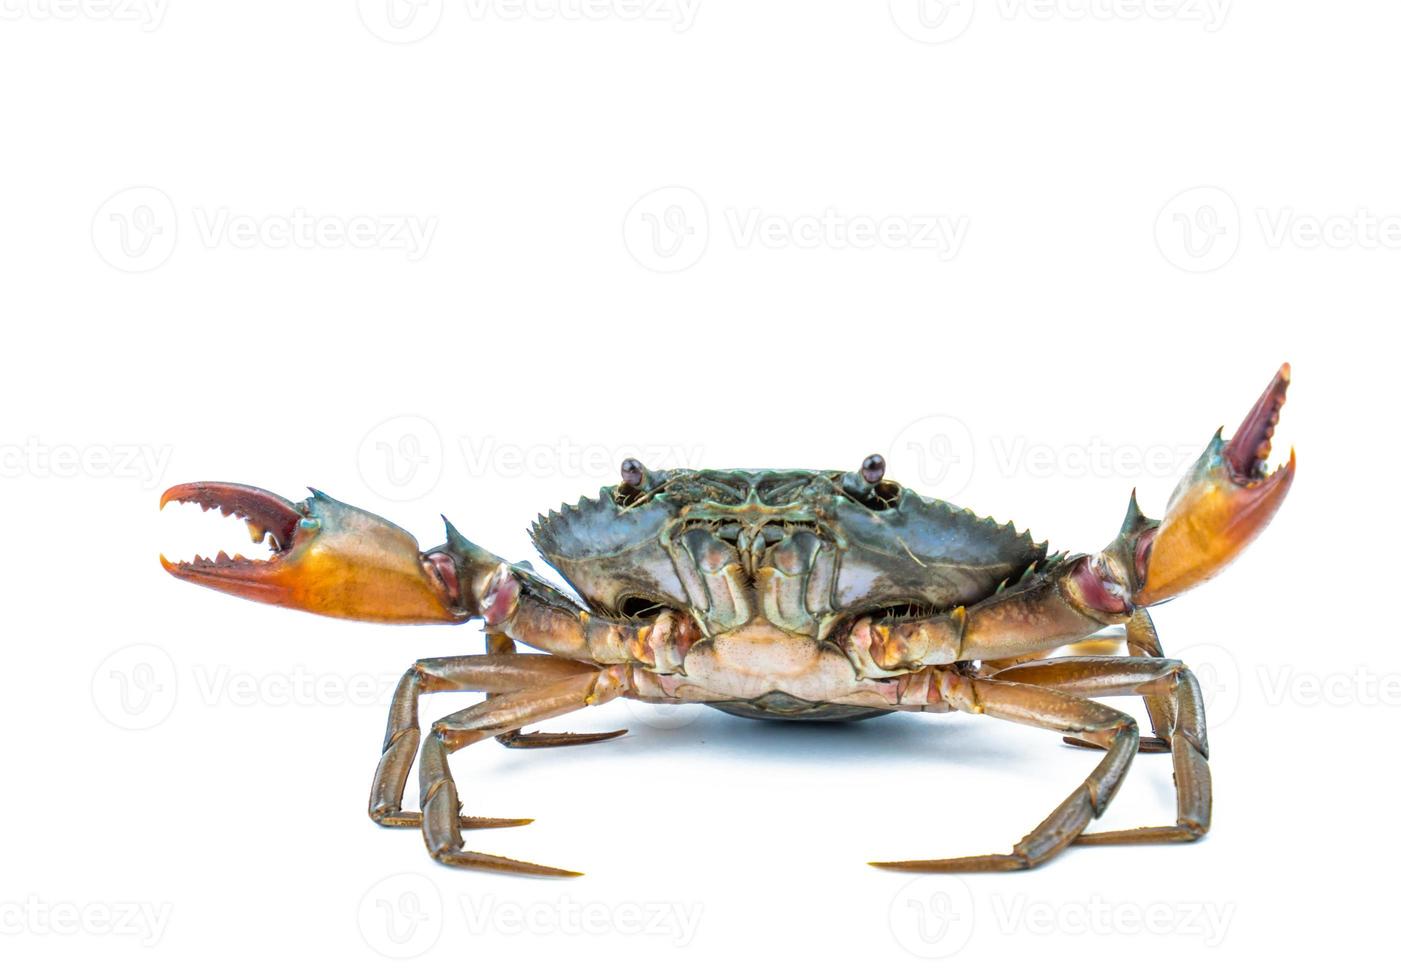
column 327, row 558
column 1223, row 502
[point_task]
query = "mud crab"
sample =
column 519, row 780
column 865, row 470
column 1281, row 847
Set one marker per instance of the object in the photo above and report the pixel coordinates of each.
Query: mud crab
column 792, row 594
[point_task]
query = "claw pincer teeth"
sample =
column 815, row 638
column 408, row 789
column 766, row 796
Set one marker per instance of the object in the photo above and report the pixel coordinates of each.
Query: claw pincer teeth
column 265, row 514
column 1249, row 449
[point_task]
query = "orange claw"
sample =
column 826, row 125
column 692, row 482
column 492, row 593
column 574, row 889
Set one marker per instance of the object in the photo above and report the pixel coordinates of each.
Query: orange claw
column 327, row 558
column 1223, row 502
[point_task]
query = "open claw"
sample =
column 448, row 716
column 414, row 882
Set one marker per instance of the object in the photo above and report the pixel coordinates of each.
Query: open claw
column 327, row 557
column 1218, row 508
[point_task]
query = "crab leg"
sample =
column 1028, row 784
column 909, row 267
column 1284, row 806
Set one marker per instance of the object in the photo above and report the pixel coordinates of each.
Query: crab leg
column 495, row 673
column 495, row 716
column 1099, row 645
column 500, row 643
column 1167, row 682
column 1042, row 707
column 1141, row 640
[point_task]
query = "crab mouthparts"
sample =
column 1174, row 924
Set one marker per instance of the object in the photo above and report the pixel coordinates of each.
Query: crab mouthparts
column 1248, row 452
column 267, row 515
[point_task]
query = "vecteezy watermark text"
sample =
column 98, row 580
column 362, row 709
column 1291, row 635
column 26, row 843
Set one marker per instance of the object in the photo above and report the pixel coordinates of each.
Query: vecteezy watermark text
column 35, row 916
column 676, row 921
column 1096, row 916
column 298, row 687
column 147, row 14
column 301, row 229
column 669, row 230
column 409, row 21
column 943, row 234
column 137, row 229
column 1359, row 686
column 940, row 21
column 1201, row 229
column 403, row 916
column 568, row 459
column 116, row 461
column 938, row 916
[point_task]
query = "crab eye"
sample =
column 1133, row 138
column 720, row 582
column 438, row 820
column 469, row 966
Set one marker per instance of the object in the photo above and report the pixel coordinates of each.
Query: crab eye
column 873, row 468
column 633, row 472
column 868, row 485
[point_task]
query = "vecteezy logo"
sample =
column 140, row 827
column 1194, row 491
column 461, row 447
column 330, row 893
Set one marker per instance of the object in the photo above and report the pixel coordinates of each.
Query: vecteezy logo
column 402, row 458
column 1199, row 229
column 400, row 21
column 134, row 230
column 665, row 717
column 932, row 21
column 134, row 688
column 401, row 916
column 934, row 455
column 932, row 916
column 1218, row 676
column 668, row 229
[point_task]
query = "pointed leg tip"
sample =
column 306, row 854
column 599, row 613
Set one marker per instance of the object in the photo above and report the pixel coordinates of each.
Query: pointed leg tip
column 917, row 866
column 541, row 870
column 491, row 823
column 968, row 865
column 478, row 861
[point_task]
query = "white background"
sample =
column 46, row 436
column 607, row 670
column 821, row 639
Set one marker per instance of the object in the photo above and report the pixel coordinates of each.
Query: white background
column 1101, row 228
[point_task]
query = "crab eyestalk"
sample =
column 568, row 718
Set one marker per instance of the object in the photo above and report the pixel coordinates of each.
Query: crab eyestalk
column 327, row 557
column 1223, row 502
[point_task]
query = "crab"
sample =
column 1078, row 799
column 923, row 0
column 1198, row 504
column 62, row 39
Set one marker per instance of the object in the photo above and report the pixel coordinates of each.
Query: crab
column 802, row 595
